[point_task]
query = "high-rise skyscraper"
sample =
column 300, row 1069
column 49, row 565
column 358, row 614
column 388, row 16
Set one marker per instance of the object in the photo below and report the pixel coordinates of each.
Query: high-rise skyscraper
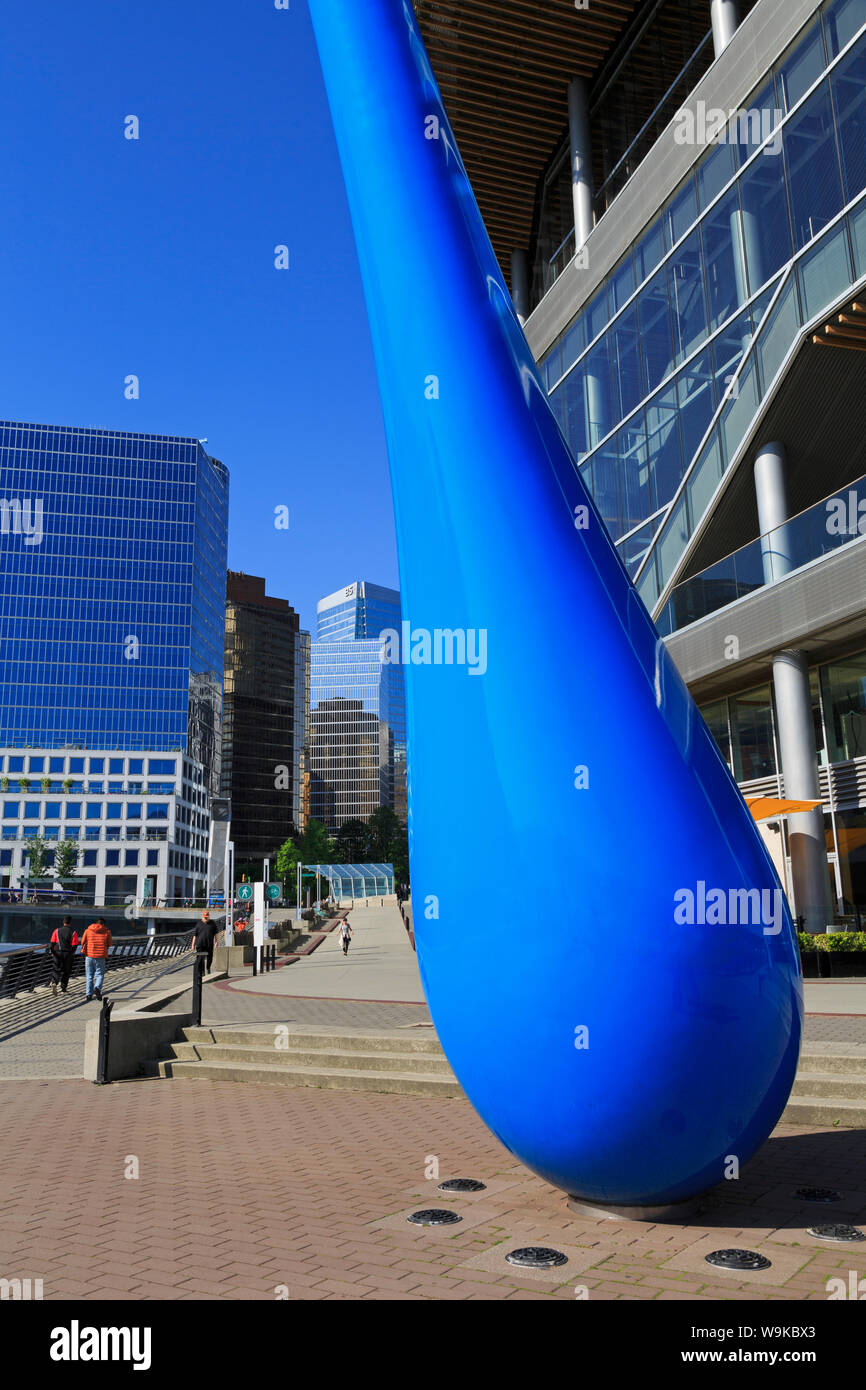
column 112, row 572
column 358, row 708
column 265, row 717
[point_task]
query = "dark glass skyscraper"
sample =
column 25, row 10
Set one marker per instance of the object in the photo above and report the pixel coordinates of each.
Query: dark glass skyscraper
column 358, row 708
column 265, row 715
column 112, row 593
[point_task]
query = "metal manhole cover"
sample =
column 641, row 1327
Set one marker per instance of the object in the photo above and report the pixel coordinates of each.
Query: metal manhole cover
column 536, row 1257
column 836, row 1231
column 738, row 1259
column 818, row 1194
column 462, row 1185
column 434, row 1216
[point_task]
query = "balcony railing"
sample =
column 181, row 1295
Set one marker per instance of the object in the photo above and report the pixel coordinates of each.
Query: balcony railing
column 834, row 522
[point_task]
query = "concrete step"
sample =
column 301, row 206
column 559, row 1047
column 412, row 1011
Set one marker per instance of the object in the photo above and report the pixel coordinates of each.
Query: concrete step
column 340, row 1079
column 324, row 1041
column 815, row 1110
column 406, row 1062
column 838, row 1063
column 831, row 1086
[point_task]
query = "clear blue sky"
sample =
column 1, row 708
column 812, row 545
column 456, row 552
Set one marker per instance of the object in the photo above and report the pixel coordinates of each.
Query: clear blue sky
column 156, row 257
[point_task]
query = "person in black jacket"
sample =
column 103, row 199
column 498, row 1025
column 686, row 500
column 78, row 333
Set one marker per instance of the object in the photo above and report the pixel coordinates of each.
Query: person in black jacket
column 203, row 941
column 63, row 943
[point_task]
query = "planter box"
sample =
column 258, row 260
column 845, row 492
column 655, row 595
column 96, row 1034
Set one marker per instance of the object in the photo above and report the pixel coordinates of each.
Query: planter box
column 845, row 964
column 814, row 964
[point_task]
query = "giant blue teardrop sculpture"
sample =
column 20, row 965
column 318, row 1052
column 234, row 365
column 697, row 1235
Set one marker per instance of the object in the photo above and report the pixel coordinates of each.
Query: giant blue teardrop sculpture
column 613, row 1032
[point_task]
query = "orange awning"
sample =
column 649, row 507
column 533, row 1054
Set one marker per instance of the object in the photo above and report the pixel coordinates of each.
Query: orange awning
column 769, row 807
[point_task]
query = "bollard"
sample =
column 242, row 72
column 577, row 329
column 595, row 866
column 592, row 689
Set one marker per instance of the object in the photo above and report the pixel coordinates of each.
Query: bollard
column 197, row 978
column 255, row 961
column 104, row 1035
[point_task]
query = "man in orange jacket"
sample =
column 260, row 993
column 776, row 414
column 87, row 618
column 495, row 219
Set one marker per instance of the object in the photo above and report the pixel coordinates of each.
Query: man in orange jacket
column 95, row 944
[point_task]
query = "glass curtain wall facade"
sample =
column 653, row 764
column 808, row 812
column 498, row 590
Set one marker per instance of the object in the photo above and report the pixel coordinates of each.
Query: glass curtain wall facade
column 264, row 729
column 112, row 564
column 357, row 709
column 745, row 729
column 638, row 376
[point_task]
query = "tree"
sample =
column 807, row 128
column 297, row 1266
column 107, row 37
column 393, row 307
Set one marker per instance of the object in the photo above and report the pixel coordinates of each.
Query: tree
column 66, row 858
column 37, row 848
column 316, row 845
column 384, row 830
column 350, row 846
column 287, row 864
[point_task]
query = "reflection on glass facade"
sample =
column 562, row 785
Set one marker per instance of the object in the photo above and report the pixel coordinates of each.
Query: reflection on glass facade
column 264, row 717
column 744, row 727
column 636, row 379
column 357, row 709
column 111, row 619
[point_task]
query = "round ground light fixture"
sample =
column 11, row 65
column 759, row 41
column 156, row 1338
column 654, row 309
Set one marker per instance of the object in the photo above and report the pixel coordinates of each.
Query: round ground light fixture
column 836, row 1231
column 462, row 1185
column 818, row 1194
column 434, row 1216
column 738, row 1259
column 536, row 1257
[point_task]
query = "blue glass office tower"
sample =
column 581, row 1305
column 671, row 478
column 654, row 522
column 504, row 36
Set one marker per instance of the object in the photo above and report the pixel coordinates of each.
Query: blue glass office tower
column 112, row 583
column 357, row 708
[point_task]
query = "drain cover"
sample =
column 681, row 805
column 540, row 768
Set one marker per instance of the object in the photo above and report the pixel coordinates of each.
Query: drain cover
column 818, row 1194
column 738, row 1259
column 536, row 1257
column 434, row 1216
column 836, row 1232
column 462, row 1185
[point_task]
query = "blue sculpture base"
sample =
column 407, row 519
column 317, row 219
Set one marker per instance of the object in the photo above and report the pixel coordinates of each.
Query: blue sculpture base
column 674, row 1212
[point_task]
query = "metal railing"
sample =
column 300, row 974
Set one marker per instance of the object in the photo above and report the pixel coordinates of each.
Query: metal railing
column 23, row 971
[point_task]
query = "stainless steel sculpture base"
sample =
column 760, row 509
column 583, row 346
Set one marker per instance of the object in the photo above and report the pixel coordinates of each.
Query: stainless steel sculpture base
column 673, row 1211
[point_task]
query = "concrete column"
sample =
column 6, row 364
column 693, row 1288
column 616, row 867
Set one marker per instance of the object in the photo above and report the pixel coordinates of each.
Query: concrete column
column 581, row 158
column 806, row 838
column 520, row 285
column 725, row 23
column 771, row 489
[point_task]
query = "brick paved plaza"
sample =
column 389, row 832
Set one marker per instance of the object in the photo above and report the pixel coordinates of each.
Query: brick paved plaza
column 242, row 1189
column 208, row 1189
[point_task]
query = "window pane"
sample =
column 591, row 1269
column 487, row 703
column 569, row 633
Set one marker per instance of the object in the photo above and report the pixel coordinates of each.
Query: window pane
column 778, row 336
column 813, row 167
column 697, row 402
column 752, row 730
column 649, row 251
column 842, row 21
column 623, row 284
column 826, row 271
column 726, row 283
column 665, row 444
column 766, row 225
column 627, row 365
column 716, row 170
column 638, row 499
column 804, row 66
column 844, row 685
column 655, row 328
column 605, row 488
column 596, row 365
column 704, row 480
column 716, row 719
column 686, row 283
column 849, row 95
column 682, row 212
column 573, row 390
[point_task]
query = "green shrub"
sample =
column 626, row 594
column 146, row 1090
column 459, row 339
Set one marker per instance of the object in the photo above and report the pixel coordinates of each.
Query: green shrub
column 841, row 941
column 806, row 941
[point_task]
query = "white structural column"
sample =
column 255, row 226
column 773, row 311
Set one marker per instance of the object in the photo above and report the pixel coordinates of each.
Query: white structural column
column 799, row 764
column 806, row 838
column 771, row 489
column 725, row 24
column 520, row 285
column 581, row 158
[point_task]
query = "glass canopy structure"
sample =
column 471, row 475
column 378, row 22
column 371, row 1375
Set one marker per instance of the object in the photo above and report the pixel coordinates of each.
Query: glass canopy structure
column 356, row 880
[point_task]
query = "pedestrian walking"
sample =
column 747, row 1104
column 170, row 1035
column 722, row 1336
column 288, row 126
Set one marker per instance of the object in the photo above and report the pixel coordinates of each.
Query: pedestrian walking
column 63, row 943
column 203, row 941
column 345, row 935
column 95, row 945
